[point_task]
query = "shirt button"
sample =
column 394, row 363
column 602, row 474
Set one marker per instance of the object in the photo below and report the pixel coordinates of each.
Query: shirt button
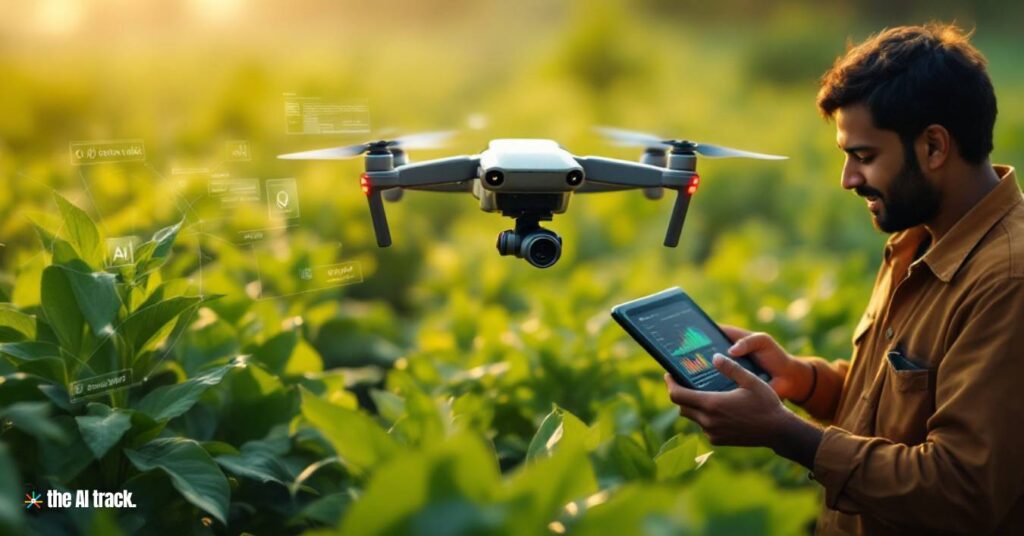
column 888, row 332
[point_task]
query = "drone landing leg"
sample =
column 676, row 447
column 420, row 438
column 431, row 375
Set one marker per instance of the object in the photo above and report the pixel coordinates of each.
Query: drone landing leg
column 379, row 218
column 675, row 223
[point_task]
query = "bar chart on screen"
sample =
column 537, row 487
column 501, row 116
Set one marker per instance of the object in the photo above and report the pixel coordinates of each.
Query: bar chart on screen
column 695, row 364
column 691, row 339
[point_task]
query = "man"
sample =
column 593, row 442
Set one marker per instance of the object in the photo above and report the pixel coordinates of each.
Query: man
column 927, row 417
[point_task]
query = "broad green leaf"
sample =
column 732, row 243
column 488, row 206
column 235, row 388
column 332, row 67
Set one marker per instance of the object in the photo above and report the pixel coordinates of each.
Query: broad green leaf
column 192, row 471
column 360, row 442
column 64, row 460
column 677, row 457
column 47, row 226
column 636, row 509
column 559, row 426
column 622, row 459
column 426, row 420
column 64, row 253
column 12, row 511
column 81, row 232
column 461, row 468
column 33, row 419
column 15, row 325
column 548, row 434
column 304, row 359
column 166, row 290
column 148, row 326
column 276, row 350
column 61, row 309
column 30, row 350
column 169, row 401
column 256, row 402
column 539, row 490
column 154, row 253
column 103, row 427
column 144, row 429
column 164, row 239
column 27, row 284
column 144, row 252
column 96, row 294
column 763, row 507
column 219, row 448
column 326, row 510
column 259, row 460
column 39, row 358
column 389, row 405
column 330, row 386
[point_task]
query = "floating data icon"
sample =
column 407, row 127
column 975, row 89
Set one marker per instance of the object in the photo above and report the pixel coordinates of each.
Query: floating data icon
column 120, row 251
column 282, row 199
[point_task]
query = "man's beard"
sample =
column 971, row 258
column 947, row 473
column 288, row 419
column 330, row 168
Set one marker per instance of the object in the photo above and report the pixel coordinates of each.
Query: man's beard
column 911, row 199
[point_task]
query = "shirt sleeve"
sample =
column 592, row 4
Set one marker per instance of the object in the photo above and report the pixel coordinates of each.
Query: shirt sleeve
column 969, row 471
column 823, row 400
column 828, row 385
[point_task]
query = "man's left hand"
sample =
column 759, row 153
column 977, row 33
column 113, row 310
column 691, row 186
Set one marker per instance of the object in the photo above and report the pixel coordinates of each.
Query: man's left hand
column 750, row 415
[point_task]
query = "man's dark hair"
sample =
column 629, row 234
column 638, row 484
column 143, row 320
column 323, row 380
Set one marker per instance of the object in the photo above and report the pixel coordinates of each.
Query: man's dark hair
column 914, row 76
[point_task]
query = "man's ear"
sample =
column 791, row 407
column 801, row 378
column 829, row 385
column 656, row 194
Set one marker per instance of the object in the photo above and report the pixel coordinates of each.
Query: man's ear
column 937, row 145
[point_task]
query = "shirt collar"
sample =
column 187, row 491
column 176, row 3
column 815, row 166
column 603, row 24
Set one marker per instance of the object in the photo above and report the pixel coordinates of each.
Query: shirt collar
column 949, row 253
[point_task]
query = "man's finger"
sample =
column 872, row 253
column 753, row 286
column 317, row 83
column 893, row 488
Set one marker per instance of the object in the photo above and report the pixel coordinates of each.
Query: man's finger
column 694, row 415
column 732, row 370
column 684, row 397
column 750, row 343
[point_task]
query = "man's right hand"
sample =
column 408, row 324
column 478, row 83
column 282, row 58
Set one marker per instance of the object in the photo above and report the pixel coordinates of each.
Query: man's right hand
column 791, row 377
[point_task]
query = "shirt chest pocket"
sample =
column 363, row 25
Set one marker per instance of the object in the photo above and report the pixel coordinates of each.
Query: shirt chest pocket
column 905, row 402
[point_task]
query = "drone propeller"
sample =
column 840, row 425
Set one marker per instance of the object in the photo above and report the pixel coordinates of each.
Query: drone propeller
column 425, row 140
column 655, row 148
column 651, row 142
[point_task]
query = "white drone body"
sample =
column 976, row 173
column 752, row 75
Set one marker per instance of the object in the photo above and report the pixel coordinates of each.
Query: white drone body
column 529, row 180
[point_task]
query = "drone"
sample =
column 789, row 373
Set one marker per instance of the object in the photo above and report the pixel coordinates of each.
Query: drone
column 529, row 180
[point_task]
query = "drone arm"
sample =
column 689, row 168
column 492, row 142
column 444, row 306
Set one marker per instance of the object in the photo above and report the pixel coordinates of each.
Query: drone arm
column 589, row 187
column 443, row 174
column 446, row 174
column 607, row 174
column 625, row 175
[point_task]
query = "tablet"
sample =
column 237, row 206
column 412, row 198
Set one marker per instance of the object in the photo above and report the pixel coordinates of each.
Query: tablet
column 682, row 338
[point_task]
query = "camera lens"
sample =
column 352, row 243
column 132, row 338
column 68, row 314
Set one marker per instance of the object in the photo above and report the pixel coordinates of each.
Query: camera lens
column 574, row 178
column 541, row 249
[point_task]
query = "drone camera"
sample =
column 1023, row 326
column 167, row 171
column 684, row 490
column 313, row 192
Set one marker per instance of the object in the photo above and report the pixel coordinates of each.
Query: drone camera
column 574, row 177
column 540, row 247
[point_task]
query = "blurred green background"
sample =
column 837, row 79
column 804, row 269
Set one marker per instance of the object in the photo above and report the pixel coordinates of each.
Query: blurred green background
column 773, row 246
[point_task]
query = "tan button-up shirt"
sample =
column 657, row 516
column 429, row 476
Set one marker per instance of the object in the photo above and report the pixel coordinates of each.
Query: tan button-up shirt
column 927, row 417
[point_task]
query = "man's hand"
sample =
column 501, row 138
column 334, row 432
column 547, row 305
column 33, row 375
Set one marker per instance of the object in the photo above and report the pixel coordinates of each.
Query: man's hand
column 750, row 415
column 791, row 377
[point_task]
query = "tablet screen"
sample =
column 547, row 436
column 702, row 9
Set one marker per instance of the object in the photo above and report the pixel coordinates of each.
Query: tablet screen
column 682, row 334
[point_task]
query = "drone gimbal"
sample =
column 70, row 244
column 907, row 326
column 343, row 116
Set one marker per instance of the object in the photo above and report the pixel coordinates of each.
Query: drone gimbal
column 530, row 180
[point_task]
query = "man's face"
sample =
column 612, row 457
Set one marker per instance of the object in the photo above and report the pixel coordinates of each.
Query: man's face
column 885, row 173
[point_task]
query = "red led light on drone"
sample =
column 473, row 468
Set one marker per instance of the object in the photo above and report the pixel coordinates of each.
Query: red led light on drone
column 364, row 183
column 694, row 182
